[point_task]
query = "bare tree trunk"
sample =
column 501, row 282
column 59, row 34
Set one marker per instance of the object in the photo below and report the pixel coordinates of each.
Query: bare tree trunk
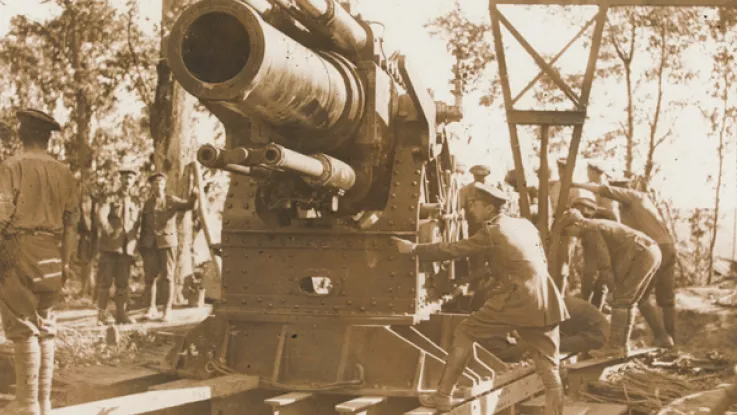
column 174, row 147
column 653, row 142
column 81, row 152
column 720, row 154
column 626, row 58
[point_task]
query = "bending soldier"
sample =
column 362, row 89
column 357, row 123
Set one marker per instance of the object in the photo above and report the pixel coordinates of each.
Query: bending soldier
column 626, row 261
column 593, row 289
column 118, row 219
column 39, row 210
column 607, row 208
column 524, row 298
column 158, row 242
column 638, row 212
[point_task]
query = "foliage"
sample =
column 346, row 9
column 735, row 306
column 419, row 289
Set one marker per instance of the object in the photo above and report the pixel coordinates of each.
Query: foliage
column 469, row 43
column 74, row 66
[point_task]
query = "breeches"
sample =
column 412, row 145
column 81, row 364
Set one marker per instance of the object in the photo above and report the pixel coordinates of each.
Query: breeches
column 158, row 263
column 632, row 280
column 25, row 313
column 114, row 267
column 664, row 280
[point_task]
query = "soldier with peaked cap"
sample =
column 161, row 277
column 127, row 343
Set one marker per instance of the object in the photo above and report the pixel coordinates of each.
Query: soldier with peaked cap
column 118, row 219
column 479, row 173
column 39, row 210
column 592, row 288
column 523, row 298
column 638, row 211
column 626, row 261
column 158, row 242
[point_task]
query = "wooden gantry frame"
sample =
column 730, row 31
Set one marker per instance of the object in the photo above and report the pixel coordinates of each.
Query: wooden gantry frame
column 545, row 119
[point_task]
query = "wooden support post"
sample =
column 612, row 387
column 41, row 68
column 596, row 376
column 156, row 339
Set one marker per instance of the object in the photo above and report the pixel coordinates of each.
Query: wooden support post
column 554, row 243
column 544, row 184
column 524, row 201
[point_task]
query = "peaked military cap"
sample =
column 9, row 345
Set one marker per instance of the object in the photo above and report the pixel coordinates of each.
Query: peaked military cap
column 156, row 175
column 621, row 182
column 490, row 191
column 480, row 170
column 582, row 200
column 38, row 119
column 597, row 166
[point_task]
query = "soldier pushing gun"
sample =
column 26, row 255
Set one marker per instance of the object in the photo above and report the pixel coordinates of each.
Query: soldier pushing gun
column 524, row 298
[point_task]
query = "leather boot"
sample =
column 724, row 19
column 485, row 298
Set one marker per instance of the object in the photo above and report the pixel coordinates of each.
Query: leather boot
column 669, row 321
column 121, row 308
column 102, row 314
column 46, row 374
column 619, row 335
column 454, row 367
column 650, row 314
column 27, row 357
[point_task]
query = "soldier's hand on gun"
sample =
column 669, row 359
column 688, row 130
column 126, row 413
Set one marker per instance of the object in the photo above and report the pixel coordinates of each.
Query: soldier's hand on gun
column 404, row 246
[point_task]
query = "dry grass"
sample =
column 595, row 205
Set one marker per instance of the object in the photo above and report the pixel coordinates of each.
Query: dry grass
column 83, row 348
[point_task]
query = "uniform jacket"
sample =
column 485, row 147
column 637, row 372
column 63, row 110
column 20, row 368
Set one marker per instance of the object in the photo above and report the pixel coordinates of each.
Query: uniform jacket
column 118, row 217
column 159, row 224
column 609, row 247
column 639, row 212
column 525, row 295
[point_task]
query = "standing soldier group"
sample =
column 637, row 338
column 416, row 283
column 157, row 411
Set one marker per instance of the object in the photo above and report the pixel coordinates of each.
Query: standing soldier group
column 40, row 210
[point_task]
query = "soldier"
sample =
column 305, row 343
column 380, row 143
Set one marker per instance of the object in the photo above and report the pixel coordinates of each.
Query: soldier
column 626, row 260
column 158, row 242
column 592, row 288
column 39, row 210
column 118, row 220
column 607, row 208
column 524, row 297
column 479, row 173
column 638, row 211
column 554, row 187
column 586, row 330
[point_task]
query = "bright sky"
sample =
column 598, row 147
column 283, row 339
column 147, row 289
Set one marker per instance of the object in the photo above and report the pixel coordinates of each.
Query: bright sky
column 686, row 163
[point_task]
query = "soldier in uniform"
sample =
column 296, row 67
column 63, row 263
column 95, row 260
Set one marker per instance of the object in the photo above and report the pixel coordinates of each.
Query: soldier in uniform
column 87, row 245
column 158, row 241
column 39, row 210
column 118, row 220
column 592, row 288
column 638, row 211
column 626, row 260
column 524, row 297
column 607, row 208
column 586, row 330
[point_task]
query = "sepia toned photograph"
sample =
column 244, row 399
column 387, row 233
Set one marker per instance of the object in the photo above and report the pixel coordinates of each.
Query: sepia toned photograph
column 368, row 207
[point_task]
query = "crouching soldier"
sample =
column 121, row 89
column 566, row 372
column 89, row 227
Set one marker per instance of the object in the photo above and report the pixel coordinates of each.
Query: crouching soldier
column 626, row 261
column 39, row 210
column 586, row 330
column 158, row 242
column 524, row 298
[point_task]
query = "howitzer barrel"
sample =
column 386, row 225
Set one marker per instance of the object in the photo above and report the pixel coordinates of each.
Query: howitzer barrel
column 318, row 169
column 222, row 50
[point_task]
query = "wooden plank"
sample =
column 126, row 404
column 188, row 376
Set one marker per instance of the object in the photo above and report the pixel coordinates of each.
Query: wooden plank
column 494, row 401
column 167, row 396
column 608, row 361
column 365, row 405
column 292, row 403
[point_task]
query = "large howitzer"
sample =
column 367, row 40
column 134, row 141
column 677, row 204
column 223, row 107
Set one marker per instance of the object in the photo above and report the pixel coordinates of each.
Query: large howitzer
column 334, row 149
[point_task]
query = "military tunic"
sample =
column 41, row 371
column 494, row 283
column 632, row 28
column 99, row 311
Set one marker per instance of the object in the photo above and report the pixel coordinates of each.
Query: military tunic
column 639, row 212
column 624, row 258
column 118, row 218
column 38, row 200
column 523, row 296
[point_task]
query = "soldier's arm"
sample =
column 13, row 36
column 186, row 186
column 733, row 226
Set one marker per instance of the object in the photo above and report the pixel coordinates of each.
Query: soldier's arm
column 591, row 187
column 443, row 251
column 619, row 194
column 177, row 203
column 7, row 197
